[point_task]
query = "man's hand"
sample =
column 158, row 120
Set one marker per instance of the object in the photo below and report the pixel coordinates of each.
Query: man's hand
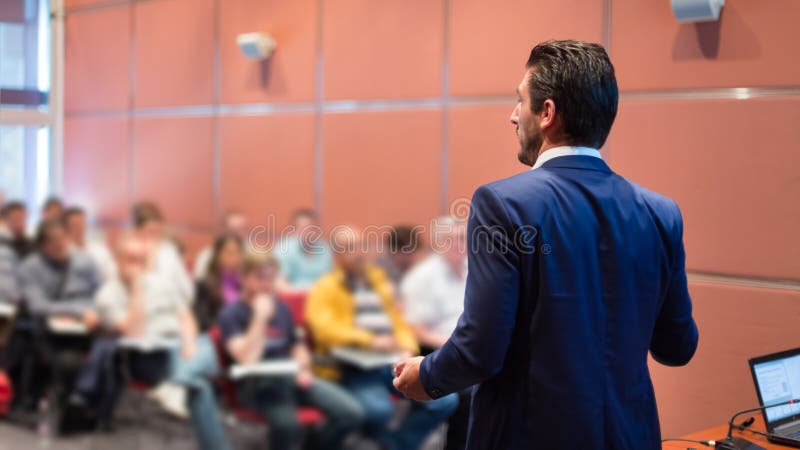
column 406, row 379
column 91, row 319
column 188, row 349
column 304, row 379
column 263, row 307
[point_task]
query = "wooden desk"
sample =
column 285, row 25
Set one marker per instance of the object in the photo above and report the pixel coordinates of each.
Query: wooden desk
column 721, row 431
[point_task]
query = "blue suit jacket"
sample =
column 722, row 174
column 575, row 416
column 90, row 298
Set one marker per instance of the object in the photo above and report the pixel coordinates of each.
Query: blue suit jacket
column 575, row 273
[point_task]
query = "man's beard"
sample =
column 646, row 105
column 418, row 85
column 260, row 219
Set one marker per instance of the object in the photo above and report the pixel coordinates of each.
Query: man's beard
column 529, row 148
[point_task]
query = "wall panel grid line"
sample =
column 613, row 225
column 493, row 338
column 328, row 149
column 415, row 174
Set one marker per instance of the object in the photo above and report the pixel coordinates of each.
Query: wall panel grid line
column 378, row 105
column 743, row 281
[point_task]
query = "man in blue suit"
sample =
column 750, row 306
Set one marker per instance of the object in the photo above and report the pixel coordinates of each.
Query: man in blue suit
column 575, row 273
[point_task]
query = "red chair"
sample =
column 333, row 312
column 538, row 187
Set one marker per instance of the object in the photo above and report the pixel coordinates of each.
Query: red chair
column 306, row 416
column 296, row 301
column 6, row 393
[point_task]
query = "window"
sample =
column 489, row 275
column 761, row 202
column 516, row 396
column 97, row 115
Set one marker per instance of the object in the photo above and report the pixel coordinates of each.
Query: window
column 28, row 115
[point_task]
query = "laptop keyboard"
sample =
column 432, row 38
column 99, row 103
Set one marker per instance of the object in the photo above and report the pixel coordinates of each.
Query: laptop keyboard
column 791, row 434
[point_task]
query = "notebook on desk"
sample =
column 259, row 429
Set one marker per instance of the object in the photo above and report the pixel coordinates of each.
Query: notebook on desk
column 364, row 359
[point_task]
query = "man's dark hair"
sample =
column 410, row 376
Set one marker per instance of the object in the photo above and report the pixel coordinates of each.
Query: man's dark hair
column 304, row 212
column 71, row 211
column 45, row 228
column 144, row 212
column 402, row 238
column 53, row 201
column 10, row 207
column 579, row 78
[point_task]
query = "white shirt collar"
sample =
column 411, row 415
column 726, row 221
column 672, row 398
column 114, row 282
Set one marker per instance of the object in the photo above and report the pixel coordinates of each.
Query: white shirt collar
column 555, row 152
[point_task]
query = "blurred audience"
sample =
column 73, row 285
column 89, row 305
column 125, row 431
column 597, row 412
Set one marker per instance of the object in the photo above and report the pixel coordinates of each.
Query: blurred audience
column 400, row 252
column 353, row 306
column 74, row 219
column 233, row 222
column 138, row 315
column 146, row 307
column 15, row 220
column 433, row 295
column 304, row 256
column 163, row 255
column 260, row 328
column 221, row 285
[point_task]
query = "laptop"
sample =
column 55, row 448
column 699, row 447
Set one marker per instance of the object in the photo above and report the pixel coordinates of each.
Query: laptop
column 777, row 379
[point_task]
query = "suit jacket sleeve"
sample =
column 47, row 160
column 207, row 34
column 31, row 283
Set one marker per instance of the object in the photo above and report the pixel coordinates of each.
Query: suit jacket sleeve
column 477, row 348
column 675, row 334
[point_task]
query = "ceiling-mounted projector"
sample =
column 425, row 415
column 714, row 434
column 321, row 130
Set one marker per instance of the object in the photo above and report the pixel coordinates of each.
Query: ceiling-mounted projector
column 687, row 11
column 256, row 45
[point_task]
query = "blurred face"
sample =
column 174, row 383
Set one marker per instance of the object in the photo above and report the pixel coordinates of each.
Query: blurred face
column 152, row 230
column 76, row 227
column 302, row 223
column 404, row 260
column 526, row 123
column 350, row 251
column 259, row 281
column 230, row 256
column 236, row 224
column 131, row 259
column 17, row 221
column 56, row 244
column 456, row 251
column 307, row 231
column 52, row 211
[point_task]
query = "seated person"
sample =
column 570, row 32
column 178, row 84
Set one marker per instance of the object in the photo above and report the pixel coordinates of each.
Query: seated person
column 58, row 281
column 304, row 256
column 163, row 254
column 143, row 306
column 353, row 306
column 15, row 220
column 221, row 285
column 433, row 300
column 9, row 291
column 233, row 222
column 9, row 295
column 400, row 252
column 260, row 328
column 58, row 284
column 74, row 219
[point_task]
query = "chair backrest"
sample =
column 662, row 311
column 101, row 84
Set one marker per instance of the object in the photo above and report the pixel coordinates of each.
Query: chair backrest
column 296, row 301
column 6, row 393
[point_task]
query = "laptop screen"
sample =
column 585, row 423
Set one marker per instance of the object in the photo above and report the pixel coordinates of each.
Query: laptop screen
column 779, row 381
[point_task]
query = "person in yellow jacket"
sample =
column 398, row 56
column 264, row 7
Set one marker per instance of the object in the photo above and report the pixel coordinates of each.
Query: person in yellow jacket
column 353, row 306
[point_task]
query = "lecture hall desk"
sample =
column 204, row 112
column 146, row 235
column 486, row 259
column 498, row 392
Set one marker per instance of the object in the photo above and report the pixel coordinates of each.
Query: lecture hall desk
column 720, row 431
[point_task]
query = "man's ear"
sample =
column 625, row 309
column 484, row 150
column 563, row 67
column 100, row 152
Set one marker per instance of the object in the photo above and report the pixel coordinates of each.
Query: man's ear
column 547, row 116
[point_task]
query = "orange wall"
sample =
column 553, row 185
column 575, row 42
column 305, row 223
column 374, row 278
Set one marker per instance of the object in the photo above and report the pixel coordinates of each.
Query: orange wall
column 388, row 111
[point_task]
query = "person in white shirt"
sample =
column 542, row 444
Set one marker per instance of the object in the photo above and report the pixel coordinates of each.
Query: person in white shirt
column 433, row 290
column 163, row 255
column 433, row 296
column 233, row 222
column 74, row 219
